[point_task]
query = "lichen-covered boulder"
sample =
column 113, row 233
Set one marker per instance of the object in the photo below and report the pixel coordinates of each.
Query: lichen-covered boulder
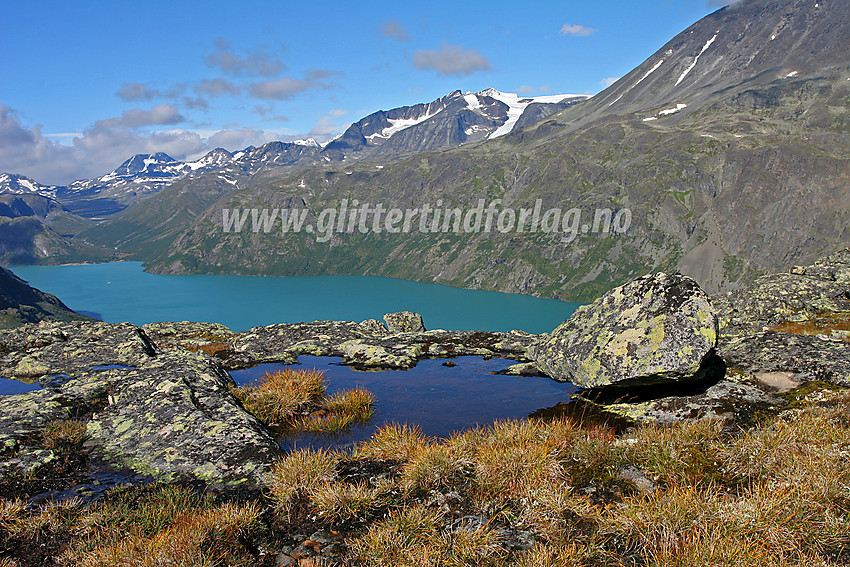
column 653, row 330
column 404, row 322
column 176, row 417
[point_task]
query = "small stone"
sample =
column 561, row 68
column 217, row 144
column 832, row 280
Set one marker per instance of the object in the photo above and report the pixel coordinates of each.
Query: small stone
column 322, row 536
column 334, row 549
column 449, row 364
column 303, row 551
column 283, row 560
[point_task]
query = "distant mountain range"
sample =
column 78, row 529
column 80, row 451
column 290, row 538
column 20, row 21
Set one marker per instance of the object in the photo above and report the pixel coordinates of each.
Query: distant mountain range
column 730, row 148
column 452, row 120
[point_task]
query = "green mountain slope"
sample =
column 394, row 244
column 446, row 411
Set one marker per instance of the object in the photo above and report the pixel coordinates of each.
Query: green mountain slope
column 20, row 303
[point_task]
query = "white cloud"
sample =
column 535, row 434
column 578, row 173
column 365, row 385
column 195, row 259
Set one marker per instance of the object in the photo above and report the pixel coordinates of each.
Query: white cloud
column 278, row 89
column 141, row 91
column 394, row 29
column 254, row 64
column 108, row 143
column 161, row 114
column 526, row 89
column 327, row 126
column 608, row 81
column 216, row 87
column 577, row 30
column 269, row 113
column 451, row 60
column 287, row 87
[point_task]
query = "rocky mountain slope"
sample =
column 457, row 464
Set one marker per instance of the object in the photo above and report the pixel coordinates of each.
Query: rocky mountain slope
column 36, row 229
column 20, row 304
column 730, row 155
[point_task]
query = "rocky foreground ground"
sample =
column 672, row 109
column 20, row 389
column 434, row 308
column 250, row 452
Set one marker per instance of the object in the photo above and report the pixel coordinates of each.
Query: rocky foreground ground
column 157, row 406
column 157, row 398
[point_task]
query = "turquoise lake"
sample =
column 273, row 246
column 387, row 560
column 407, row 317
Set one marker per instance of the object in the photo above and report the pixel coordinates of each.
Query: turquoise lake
column 123, row 292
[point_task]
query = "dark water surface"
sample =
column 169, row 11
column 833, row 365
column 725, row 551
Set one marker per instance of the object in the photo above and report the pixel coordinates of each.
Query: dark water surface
column 441, row 400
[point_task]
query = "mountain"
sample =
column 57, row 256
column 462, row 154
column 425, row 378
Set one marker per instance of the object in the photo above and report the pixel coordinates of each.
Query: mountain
column 742, row 57
column 20, row 303
column 36, row 229
column 14, row 184
column 452, row 120
column 728, row 149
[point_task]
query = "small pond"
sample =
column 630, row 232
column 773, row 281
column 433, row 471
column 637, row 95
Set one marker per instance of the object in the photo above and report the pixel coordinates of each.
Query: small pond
column 437, row 398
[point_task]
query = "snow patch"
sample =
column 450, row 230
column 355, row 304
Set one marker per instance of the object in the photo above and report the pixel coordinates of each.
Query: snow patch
column 648, row 73
column 650, row 119
column 399, row 124
column 792, row 74
column 475, row 128
column 517, row 105
column 670, row 111
column 696, row 59
column 27, row 184
column 472, row 101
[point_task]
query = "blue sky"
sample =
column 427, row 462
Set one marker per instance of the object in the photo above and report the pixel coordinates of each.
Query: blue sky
column 87, row 84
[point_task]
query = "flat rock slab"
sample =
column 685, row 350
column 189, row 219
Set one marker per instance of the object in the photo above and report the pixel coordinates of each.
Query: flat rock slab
column 37, row 350
column 175, row 416
column 806, row 292
column 369, row 344
column 187, row 334
column 735, row 400
column 807, row 358
column 654, row 330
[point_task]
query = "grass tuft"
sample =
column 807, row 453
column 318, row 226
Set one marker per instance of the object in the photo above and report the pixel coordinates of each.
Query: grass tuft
column 340, row 502
column 278, row 395
column 63, row 436
column 357, row 403
column 394, row 441
column 435, row 466
column 292, row 477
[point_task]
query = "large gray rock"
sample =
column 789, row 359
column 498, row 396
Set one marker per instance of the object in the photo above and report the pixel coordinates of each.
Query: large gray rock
column 167, row 414
column 656, row 329
column 404, row 322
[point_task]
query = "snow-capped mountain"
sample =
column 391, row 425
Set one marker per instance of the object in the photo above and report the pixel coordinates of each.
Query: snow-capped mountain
column 20, row 185
column 455, row 119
